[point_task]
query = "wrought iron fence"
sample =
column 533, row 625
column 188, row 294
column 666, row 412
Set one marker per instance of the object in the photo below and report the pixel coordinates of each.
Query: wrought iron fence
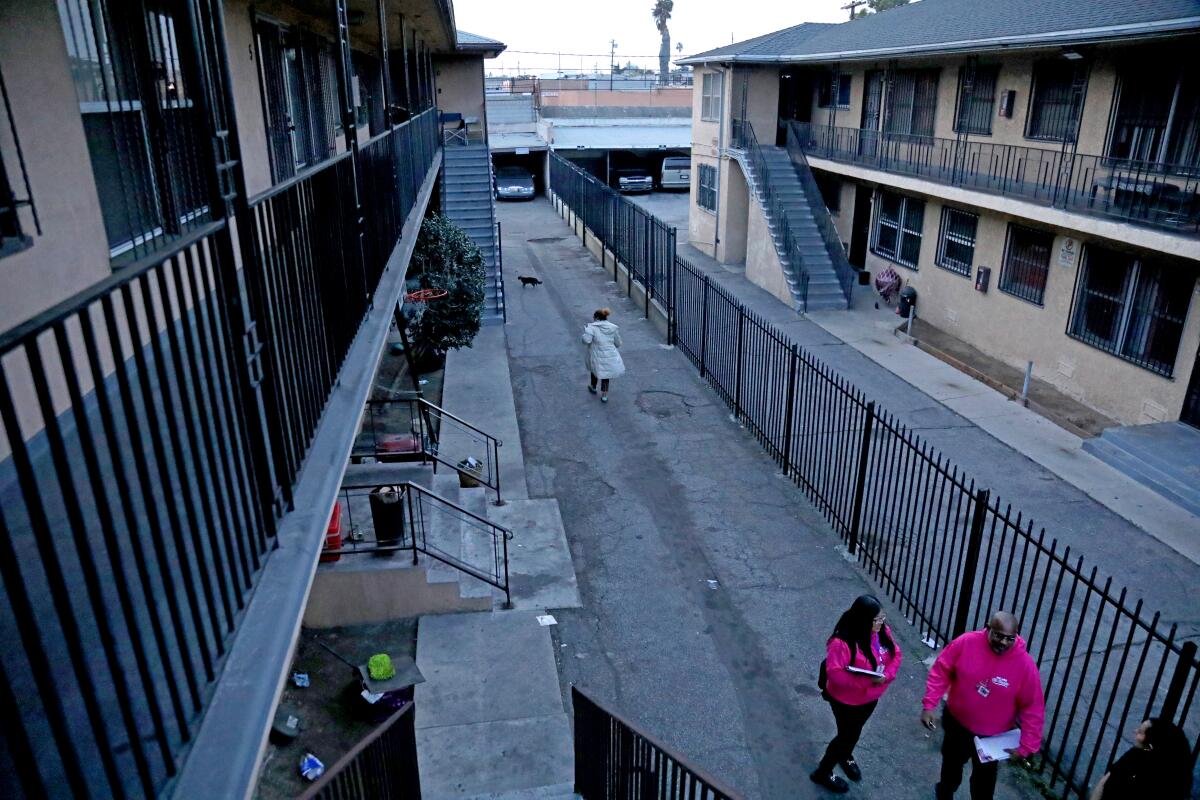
column 614, row 758
column 382, row 765
column 1152, row 193
column 944, row 549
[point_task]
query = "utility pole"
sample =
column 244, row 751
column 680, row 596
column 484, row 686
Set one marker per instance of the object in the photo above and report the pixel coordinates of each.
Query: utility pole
column 853, row 6
column 612, row 60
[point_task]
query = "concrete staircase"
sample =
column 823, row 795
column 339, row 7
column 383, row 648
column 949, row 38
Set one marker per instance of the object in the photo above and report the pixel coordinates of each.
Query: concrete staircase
column 824, row 290
column 468, row 202
column 1164, row 457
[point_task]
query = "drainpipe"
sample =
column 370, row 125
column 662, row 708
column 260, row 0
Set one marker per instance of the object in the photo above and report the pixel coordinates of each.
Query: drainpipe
column 720, row 153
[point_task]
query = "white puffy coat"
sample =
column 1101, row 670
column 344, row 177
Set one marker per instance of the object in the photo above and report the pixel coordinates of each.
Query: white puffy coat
column 602, row 340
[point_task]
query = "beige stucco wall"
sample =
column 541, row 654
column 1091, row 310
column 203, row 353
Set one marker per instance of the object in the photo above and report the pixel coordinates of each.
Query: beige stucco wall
column 706, row 149
column 666, row 97
column 731, row 243
column 72, row 251
column 460, row 85
column 1017, row 331
column 763, row 267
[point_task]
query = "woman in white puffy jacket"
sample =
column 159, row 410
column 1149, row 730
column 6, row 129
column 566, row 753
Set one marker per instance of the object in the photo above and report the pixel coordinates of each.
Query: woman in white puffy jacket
column 603, row 358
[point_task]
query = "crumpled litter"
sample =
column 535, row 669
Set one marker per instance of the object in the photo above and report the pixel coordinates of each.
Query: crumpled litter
column 311, row 767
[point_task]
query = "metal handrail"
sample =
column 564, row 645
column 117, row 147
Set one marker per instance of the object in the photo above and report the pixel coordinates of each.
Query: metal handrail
column 400, row 775
column 846, row 274
column 500, row 274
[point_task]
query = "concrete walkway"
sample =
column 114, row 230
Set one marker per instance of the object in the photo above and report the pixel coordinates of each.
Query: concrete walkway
column 709, row 585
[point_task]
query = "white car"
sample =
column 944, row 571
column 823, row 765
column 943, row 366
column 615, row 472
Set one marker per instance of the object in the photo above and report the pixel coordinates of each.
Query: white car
column 514, row 183
column 676, row 173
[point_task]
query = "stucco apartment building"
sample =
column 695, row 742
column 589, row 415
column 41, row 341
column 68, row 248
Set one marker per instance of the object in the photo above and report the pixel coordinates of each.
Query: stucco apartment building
column 207, row 212
column 1032, row 168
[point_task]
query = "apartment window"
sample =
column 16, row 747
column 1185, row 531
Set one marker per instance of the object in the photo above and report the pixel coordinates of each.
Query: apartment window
column 956, row 242
column 1026, row 263
column 706, row 192
column 976, row 99
column 898, row 221
column 1158, row 114
column 1132, row 308
column 1055, row 100
column 833, row 84
column 150, row 160
column 911, row 104
column 831, row 190
column 710, row 96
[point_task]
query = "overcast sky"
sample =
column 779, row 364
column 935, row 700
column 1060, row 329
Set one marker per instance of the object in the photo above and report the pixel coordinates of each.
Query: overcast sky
column 586, row 26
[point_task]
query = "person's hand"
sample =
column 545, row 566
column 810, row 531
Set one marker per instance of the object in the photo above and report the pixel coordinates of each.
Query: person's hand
column 879, row 679
column 929, row 719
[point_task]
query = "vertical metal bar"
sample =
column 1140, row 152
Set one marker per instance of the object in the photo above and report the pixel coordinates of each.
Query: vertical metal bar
column 860, row 482
column 978, row 518
column 1183, row 667
column 789, row 408
column 704, row 328
column 737, row 389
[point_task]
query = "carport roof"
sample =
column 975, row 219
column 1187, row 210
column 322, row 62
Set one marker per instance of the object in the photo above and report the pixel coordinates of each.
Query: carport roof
column 625, row 136
column 933, row 26
column 504, row 142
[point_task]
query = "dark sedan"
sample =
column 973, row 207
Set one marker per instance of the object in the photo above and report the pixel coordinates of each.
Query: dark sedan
column 632, row 180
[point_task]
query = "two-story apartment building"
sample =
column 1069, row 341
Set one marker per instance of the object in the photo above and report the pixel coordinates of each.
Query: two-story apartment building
column 1032, row 168
column 207, row 211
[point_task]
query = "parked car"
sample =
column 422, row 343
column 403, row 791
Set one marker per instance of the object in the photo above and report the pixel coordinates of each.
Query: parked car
column 514, row 183
column 632, row 180
column 676, row 173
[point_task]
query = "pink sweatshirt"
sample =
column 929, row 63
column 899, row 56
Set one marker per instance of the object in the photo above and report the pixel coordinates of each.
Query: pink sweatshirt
column 989, row 694
column 850, row 687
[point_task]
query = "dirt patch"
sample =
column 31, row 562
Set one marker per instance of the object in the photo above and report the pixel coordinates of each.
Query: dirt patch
column 544, row 239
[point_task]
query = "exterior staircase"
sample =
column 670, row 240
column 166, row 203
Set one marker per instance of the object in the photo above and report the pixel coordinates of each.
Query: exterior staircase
column 824, row 290
column 1164, row 457
column 467, row 201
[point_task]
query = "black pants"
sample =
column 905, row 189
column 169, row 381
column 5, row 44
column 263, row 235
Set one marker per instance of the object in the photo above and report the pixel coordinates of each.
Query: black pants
column 850, row 721
column 603, row 383
column 958, row 747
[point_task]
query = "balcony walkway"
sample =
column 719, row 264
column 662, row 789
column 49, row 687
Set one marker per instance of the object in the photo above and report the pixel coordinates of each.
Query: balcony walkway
column 709, row 585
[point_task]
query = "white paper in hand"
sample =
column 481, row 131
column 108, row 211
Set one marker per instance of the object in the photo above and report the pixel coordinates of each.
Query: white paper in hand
column 995, row 748
column 861, row 671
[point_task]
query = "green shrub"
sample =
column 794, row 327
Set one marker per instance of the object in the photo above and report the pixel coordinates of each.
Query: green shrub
column 444, row 257
column 380, row 668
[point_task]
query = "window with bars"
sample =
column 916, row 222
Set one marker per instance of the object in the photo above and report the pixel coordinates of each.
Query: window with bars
column 898, row 222
column 132, row 66
column 956, row 242
column 706, row 189
column 911, row 104
column 1026, row 263
column 1133, row 308
column 826, row 89
column 976, row 99
column 1055, row 100
column 1158, row 114
column 710, row 97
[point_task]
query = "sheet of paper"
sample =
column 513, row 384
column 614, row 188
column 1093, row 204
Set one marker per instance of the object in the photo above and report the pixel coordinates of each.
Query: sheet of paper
column 994, row 748
column 861, row 671
column 546, row 619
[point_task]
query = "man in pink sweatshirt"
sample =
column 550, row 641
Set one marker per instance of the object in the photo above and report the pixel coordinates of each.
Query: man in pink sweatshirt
column 993, row 686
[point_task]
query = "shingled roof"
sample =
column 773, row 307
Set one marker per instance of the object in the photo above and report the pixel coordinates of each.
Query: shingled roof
column 931, row 26
column 473, row 42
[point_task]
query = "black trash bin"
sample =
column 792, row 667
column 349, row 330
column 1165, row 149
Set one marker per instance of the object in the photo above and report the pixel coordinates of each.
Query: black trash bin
column 908, row 301
column 387, row 517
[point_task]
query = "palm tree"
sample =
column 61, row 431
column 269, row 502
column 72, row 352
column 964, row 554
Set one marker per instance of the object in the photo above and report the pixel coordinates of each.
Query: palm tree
column 661, row 13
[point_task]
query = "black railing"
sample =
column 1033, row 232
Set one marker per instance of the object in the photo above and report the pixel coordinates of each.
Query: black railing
column 1165, row 196
column 614, row 758
column 425, row 523
column 156, row 425
column 384, row 764
column 773, row 203
column 409, row 428
column 847, row 276
column 945, row 550
column 500, row 272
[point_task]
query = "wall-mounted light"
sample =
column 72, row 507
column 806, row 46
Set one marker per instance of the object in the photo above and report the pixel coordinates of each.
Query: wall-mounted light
column 1072, row 55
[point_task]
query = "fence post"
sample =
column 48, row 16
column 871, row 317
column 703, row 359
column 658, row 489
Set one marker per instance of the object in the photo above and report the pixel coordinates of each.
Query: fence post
column 737, row 384
column 1179, row 679
column 704, row 328
column 971, row 563
column 860, row 482
column 788, row 412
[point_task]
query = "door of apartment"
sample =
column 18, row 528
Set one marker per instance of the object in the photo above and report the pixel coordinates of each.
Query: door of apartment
column 860, row 226
column 872, row 114
column 1191, row 400
column 795, row 100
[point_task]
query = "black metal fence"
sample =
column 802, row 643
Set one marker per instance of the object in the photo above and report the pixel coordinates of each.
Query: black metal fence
column 945, row 550
column 154, row 427
column 1151, row 193
column 613, row 758
column 382, row 765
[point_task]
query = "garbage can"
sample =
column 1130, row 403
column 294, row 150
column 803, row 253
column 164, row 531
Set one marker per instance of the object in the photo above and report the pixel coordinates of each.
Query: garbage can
column 387, row 517
column 908, row 301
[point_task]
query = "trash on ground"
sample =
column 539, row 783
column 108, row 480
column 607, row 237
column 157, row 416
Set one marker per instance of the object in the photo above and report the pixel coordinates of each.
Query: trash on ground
column 311, row 767
column 712, row 584
column 546, row 619
column 300, row 679
column 371, row 697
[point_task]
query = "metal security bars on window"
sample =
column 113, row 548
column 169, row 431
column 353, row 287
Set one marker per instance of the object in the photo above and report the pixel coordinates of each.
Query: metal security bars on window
column 1056, row 100
column 1158, row 115
column 1026, row 262
column 976, row 98
column 706, row 193
column 956, row 244
column 898, row 228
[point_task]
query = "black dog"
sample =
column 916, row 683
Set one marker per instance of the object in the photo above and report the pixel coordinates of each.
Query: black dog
column 528, row 281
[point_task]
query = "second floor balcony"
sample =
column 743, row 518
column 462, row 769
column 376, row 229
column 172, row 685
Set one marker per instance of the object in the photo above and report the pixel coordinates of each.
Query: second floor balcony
column 1150, row 193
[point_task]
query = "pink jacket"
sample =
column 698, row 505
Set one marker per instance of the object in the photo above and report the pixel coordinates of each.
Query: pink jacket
column 850, row 687
column 989, row 694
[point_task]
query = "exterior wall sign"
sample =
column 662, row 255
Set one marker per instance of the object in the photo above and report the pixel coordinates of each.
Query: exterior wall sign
column 1068, row 250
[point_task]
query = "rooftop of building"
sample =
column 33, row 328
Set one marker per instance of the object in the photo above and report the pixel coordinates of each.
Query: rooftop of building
column 937, row 26
column 474, row 43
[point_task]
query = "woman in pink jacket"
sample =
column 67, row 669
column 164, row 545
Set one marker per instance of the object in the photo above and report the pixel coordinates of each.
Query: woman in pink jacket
column 862, row 641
